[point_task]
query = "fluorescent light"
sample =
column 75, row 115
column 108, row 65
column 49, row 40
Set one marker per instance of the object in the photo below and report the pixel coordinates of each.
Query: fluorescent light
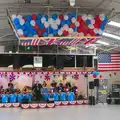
column 102, row 42
column 111, row 36
column 116, row 24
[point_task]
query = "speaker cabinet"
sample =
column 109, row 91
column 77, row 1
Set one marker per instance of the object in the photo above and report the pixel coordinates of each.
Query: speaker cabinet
column 96, row 82
column 91, row 85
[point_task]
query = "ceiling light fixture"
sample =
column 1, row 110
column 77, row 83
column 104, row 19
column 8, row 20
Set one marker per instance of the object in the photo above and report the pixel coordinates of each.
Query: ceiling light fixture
column 102, row 42
column 111, row 36
column 112, row 23
column 72, row 2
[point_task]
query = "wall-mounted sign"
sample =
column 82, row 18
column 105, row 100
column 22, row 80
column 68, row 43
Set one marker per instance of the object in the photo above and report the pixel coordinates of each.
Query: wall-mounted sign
column 37, row 61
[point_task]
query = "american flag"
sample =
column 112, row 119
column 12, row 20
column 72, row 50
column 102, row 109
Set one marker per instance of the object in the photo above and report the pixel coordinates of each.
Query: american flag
column 109, row 62
column 57, row 41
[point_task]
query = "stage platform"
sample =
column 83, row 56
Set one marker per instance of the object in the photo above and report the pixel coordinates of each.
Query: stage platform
column 43, row 105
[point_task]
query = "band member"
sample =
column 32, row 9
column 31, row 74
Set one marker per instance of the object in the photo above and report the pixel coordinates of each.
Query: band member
column 9, row 90
column 1, row 89
column 37, row 91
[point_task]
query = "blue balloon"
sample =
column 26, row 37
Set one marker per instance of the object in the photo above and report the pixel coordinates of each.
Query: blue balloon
column 54, row 16
column 102, row 27
column 96, row 73
column 55, row 32
column 25, row 32
column 70, row 15
column 27, row 24
column 23, row 27
column 28, row 18
column 62, row 22
column 74, row 14
column 46, row 17
column 105, row 20
column 42, row 26
column 88, row 22
column 45, row 34
column 50, row 30
column 18, row 26
column 39, row 16
column 16, row 21
column 75, row 29
column 98, row 34
column 68, row 22
column 30, row 35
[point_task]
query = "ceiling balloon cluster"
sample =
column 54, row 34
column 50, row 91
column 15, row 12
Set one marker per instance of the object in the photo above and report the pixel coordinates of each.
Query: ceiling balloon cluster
column 71, row 24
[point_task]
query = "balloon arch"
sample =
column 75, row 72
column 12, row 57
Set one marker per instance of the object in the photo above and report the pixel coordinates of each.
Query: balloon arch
column 63, row 28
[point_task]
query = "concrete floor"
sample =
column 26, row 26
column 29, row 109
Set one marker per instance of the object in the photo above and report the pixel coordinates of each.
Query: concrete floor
column 83, row 112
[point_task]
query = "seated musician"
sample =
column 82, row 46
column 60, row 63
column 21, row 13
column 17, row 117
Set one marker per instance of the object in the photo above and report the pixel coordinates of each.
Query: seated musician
column 74, row 89
column 67, row 86
column 1, row 89
column 25, row 90
column 44, row 84
column 9, row 90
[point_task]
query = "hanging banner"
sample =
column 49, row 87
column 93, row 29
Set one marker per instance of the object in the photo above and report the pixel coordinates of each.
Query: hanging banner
column 37, row 61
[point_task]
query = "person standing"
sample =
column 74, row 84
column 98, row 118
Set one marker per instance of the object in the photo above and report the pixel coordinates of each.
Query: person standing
column 37, row 91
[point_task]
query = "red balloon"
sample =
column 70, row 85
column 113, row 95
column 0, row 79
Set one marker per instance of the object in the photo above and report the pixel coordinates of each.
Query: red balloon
column 39, row 32
column 79, row 18
column 94, row 76
column 61, row 17
column 72, row 25
column 36, row 27
column 98, row 21
column 34, row 16
column 91, row 32
column 79, row 30
column 65, row 33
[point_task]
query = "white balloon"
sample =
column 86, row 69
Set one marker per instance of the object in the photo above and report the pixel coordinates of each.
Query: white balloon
column 65, row 27
column 73, row 20
column 88, row 34
column 54, row 26
column 32, row 22
column 95, row 30
column 74, row 34
column 100, row 32
column 58, row 21
column 60, row 32
column 20, row 32
column 84, row 17
column 77, row 24
column 13, row 16
column 102, row 17
column 92, row 21
column 62, row 29
column 50, row 35
column 65, row 17
column 50, row 21
column 70, row 30
column 35, row 36
column 46, row 24
column 90, row 26
column 22, row 21
column 90, row 17
column 81, row 34
column 43, row 19
column 19, row 16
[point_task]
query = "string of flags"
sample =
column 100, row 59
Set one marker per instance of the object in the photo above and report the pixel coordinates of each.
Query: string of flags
column 47, row 75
